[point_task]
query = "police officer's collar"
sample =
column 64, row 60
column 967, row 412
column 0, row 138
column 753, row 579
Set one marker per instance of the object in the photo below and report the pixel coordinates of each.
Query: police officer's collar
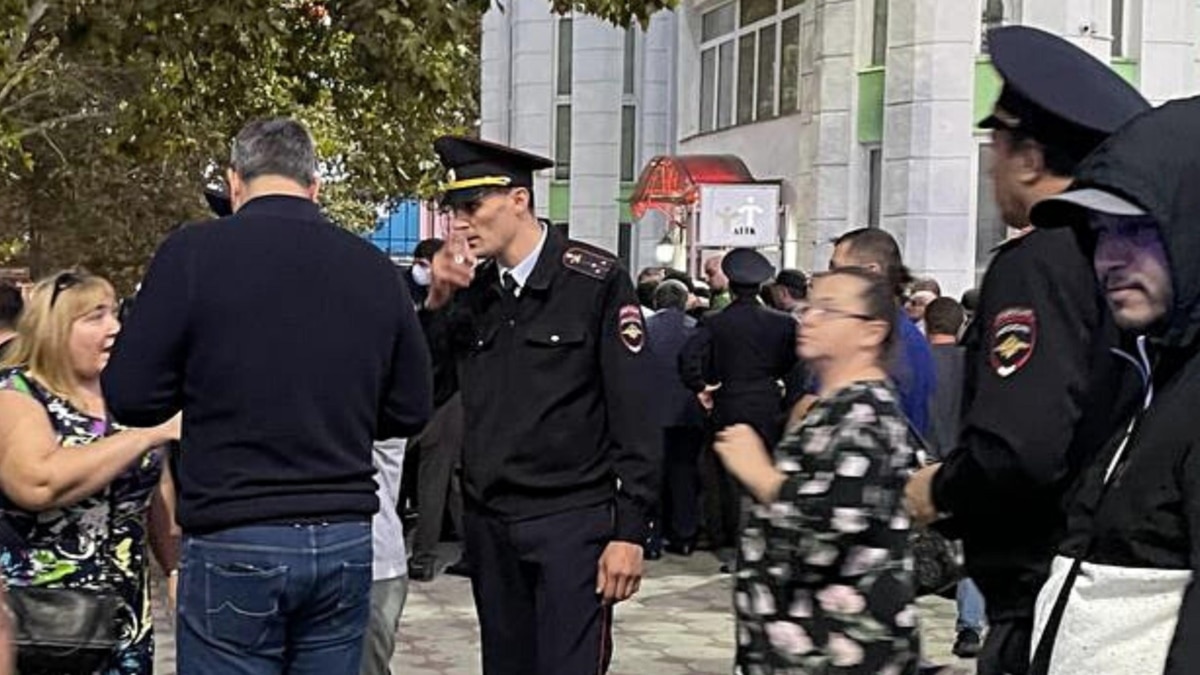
column 553, row 245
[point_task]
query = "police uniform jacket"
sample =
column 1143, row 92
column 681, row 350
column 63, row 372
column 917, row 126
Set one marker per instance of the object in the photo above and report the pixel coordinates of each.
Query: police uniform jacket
column 747, row 349
column 553, row 406
column 1042, row 391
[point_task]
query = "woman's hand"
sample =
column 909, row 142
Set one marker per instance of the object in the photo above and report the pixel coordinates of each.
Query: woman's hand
column 167, row 432
column 745, row 456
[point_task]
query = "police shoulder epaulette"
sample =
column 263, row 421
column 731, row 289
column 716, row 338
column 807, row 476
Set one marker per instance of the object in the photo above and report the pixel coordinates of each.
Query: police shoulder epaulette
column 588, row 261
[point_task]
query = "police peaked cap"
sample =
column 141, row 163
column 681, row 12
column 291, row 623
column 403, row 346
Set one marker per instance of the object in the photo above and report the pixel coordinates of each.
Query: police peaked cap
column 473, row 167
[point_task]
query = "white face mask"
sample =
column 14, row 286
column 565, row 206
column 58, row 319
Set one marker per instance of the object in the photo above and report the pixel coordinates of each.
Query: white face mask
column 420, row 274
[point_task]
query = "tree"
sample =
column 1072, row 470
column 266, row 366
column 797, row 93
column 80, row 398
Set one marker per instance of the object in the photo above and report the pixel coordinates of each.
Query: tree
column 115, row 113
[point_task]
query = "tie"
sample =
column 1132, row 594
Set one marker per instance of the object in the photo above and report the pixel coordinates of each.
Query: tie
column 508, row 283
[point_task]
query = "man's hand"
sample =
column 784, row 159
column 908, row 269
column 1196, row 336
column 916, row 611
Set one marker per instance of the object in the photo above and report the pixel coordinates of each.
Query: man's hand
column 452, row 268
column 706, row 397
column 918, row 495
column 619, row 573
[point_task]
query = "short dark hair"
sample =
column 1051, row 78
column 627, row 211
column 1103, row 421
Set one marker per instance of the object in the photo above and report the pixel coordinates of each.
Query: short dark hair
column 645, row 293
column 11, row 305
column 671, row 294
column 970, row 299
column 1059, row 160
column 879, row 304
column 682, row 277
column 793, row 282
column 944, row 316
column 649, row 272
column 926, row 284
column 278, row 146
column 427, row 248
column 872, row 245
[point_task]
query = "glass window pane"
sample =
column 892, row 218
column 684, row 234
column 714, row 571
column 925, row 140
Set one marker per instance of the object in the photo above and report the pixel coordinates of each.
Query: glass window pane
column 788, row 4
column 628, row 142
column 1118, row 28
column 565, row 34
column 562, row 142
column 766, row 73
column 630, row 56
column 708, row 81
column 879, row 33
column 725, row 85
column 718, row 22
column 755, row 10
column 875, row 186
column 745, row 87
column 989, row 225
column 789, row 70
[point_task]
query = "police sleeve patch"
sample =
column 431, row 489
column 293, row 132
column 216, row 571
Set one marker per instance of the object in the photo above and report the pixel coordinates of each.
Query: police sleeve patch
column 587, row 262
column 1012, row 340
column 630, row 328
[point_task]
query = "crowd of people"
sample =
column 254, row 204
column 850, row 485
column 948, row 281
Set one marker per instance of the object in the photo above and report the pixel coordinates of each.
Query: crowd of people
column 249, row 428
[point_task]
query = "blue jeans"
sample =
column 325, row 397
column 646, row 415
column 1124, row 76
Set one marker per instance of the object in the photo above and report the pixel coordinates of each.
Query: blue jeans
column 274, row 600
column 970, row 606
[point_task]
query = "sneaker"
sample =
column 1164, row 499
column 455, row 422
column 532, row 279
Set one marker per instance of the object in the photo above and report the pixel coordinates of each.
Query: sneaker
column 968, row 644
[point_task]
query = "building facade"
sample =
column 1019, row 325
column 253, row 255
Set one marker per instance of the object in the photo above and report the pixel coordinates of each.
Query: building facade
column 863, row 111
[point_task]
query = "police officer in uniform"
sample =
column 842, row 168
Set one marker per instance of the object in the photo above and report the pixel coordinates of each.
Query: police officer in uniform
column 741, row 353
column 738, row 357
column 560, row 464
column 1042, row 390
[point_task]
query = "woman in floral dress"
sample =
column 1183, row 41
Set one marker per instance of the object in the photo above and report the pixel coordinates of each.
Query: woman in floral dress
column 824, row 582
column 74, row 486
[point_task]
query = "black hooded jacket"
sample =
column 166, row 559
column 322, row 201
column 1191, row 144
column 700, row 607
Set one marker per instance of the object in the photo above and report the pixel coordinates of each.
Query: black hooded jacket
column 1133, row 535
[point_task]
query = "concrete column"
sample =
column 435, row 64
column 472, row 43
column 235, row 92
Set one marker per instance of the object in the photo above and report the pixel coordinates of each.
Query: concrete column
column 928, row 137
column 532, row 89
column 830, row 135
column 596, row 131
column 656, row 119
column 495, row 96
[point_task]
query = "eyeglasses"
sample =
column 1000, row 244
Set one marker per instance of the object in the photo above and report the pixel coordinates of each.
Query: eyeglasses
column 62, row 282
column 810, row 312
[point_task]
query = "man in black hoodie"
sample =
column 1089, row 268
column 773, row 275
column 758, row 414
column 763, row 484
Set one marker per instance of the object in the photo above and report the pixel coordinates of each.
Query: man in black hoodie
column 1121, row 596
column 1040, row 386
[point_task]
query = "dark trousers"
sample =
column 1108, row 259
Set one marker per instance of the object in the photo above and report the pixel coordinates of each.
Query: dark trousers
column 440, row 448
column 1006, row 649
column 721, row 499
column 681, row 482
column 534, row 583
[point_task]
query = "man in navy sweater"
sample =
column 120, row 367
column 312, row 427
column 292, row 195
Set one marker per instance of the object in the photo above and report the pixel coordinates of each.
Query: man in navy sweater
column 289, row 345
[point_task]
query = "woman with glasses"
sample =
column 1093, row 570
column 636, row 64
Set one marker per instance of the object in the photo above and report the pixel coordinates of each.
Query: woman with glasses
column 824, row 583
column 81, row 494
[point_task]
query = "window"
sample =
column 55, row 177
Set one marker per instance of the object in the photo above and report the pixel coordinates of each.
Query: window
column 628, row 76
column 874, row 186
column 1118, row 28
column 562, row 142
column 990, row 228
column 789, row 66
column 625, row 244
column 565, row 53
column 997, row 13
column 879, row 33
column 628, row 143
column 749, row 62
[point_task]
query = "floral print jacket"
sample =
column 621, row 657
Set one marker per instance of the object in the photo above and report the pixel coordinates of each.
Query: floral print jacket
column 825, row 581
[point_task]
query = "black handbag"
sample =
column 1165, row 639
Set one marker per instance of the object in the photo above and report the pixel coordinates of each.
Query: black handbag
column 937, row 559
column 61, row 631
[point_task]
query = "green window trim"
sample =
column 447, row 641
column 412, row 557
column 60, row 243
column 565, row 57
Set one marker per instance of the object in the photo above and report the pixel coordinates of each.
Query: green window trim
column 988, row 82
column 560, row 201
column 870, row 104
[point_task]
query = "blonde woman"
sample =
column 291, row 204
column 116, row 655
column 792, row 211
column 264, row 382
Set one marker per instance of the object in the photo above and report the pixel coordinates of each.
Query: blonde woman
column 75, row 487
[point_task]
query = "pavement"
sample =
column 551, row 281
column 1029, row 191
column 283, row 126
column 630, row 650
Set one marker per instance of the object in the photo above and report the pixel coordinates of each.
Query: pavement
column 680, row 623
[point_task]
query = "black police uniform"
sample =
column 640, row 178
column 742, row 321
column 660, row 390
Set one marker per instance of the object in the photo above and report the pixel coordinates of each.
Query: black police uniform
column 559, row 458
column 747, row 349
column 1042, row 390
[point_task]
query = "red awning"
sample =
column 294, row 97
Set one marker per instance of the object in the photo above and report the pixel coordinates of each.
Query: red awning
column 669, row 182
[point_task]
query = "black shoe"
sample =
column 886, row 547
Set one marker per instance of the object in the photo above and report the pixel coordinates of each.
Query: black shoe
column 459, row 569
column 968, row 644
column 684, row 548
column 419, row 570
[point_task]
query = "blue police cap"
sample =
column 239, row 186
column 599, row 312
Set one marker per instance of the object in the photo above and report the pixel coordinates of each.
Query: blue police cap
column 746, row 267
column 1057, row 93
column 473, row 167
